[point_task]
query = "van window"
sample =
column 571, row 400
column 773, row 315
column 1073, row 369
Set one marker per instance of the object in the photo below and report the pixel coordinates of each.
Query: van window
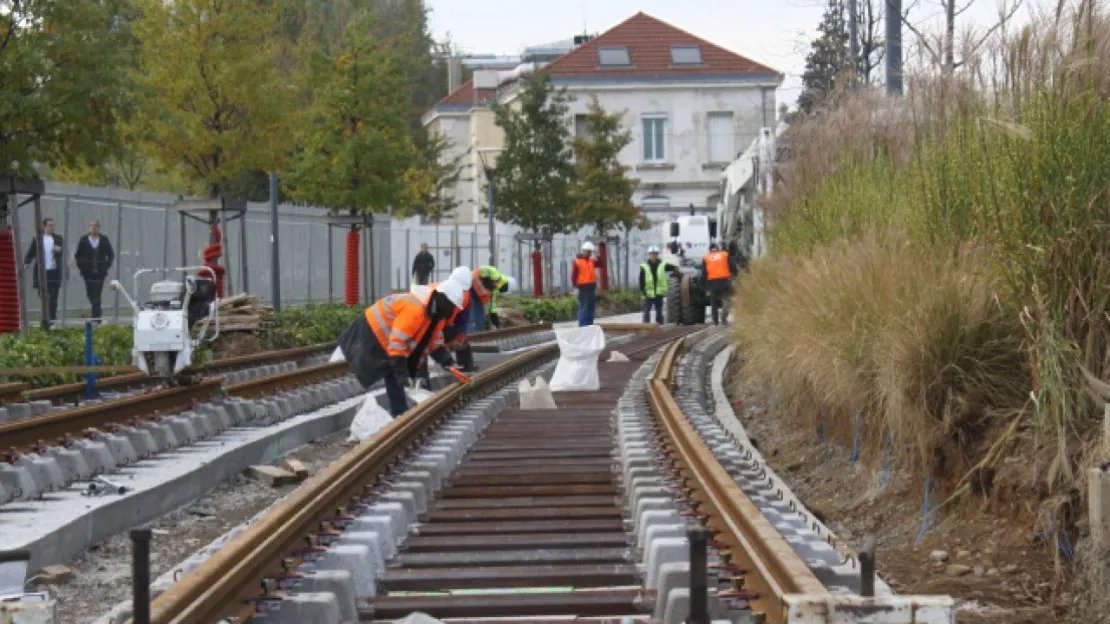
column 674, row 229
column 697, row 221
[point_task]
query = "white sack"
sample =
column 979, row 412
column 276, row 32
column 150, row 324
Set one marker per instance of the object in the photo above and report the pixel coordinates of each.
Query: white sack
column 371, row 417
column 536, row 397
column 337, row 356
column 578, row 351
column 617, row 356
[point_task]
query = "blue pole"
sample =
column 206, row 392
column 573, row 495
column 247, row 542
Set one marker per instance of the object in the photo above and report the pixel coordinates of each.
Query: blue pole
column 90, row 378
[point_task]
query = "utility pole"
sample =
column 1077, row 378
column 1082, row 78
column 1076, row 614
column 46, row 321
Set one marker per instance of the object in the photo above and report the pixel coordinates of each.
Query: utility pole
column 275, row 254
column 894, row 47
column 853, row 45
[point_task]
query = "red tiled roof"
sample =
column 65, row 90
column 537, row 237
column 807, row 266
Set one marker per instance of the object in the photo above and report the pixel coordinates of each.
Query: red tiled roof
column 649, row 42
column 466, row 95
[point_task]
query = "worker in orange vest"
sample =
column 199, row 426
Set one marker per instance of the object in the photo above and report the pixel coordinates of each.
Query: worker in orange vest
column 396, row 333
column 716, row 269
column 583, row 275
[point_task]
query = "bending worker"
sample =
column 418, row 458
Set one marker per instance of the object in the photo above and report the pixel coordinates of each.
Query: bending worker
column 381, row 343
column 486, row 280
column 716, row 269
column 583, row 276
column 653, row 284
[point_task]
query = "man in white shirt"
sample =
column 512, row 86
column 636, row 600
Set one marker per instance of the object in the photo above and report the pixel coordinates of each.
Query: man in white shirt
column 52, row 264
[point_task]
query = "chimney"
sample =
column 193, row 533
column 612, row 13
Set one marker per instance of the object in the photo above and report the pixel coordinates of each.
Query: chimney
column 454, row 74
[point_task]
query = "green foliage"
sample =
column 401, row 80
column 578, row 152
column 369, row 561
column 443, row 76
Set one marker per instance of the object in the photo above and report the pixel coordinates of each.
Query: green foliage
column 218, row 104
column 357, row 153
column 827, row 64
column 602, row 190
column 65, row 67
column 310, row 325
column 66, row 347
column 432, row 180
column 535, row 172
column 558, row 308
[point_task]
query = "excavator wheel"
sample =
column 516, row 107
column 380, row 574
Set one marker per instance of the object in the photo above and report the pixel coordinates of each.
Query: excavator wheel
column 673, row 311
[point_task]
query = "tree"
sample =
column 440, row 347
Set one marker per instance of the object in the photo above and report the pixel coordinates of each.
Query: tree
column 219, row 107
column 358, row 154
column 602, row 191
column 827, row 63
column 65, row 67
column 870, row 20
column 433, row 178
column 534, row 173
column 942, row 49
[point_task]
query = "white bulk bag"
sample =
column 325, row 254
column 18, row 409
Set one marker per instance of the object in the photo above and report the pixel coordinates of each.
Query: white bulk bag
column 578, row 351
column 536, row 397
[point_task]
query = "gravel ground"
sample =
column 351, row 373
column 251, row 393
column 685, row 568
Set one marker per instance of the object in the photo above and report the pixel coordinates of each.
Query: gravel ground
column 102, row 577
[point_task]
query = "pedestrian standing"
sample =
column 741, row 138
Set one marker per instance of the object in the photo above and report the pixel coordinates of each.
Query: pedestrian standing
column 653, row 284
column 717, row 272
column 52, row 264
column 423, row 265
column 94, row 257
column 584, row 277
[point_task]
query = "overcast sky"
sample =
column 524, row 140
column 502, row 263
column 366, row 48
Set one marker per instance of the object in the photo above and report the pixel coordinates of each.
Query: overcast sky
column 773, row 32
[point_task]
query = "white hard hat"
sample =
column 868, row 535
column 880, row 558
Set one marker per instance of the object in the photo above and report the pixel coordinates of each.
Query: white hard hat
column 463, row 275
column 653, row 249
column 587, row 246
column 453, row 290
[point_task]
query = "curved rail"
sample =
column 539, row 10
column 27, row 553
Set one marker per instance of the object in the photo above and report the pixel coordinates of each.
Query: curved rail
column 774, row 569
column 223, row 585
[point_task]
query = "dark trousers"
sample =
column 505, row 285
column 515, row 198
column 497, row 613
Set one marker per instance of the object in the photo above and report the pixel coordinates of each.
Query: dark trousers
column 422, row 277
column 93, row 289
column 587, row 299
column 719, row 292
column 477, row 315
column 53, row 285
column 398, row 402
column 653, row 302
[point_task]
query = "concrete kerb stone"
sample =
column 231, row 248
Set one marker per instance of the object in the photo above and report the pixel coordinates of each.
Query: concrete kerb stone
column 45, row 471
column 17, row 482
column 72, row 462
column 299, row 608
column 183, row 429
column 97, row 455
column 38, row 408
column 141, row 440
column 18, row 411
column 120, row 446
column 372, row 540
column 381, row 524
column 339, row 583
column 163, row 434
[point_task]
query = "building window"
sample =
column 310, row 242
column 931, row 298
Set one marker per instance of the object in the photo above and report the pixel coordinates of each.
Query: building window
column 686, row 55
column 614, row 56
column 580, row 127
column 721, row 142
column 655, row 132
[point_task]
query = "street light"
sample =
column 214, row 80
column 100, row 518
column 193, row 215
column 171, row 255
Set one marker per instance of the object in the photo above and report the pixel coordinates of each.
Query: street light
column 486, row 154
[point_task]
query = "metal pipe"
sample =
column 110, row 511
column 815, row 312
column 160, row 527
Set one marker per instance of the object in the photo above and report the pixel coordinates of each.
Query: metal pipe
column 894, row 47
column 492, row 237
column 243, row 255
column 140, row 575
column 119, row 257
column 63, row 270
column 867, row 569
column 275, row 247
column 331, row 267
column 40, row 265
column 699, row 575
column 90, row 378
column 13, row 208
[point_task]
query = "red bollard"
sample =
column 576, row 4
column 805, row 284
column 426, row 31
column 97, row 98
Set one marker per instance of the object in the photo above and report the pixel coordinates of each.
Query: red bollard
column 350, row 292
column 537, row 273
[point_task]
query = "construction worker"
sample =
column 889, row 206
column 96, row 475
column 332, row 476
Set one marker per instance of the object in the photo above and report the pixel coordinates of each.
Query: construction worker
column 485, row 281
column 653, row 284
column 455, row 328
column 392, row 338
column 500, row 286
column 583, row 276
column 717, row 272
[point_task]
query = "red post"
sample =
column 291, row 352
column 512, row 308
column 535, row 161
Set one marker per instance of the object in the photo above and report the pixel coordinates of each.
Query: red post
column 9, row 285
column 537, row 273
column 603, row 261
column 351, row 290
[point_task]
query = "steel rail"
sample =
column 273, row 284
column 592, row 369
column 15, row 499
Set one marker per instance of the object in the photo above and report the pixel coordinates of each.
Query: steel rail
column 266, row 386
column 48, row 428
column 774, row 570
column 225, row 582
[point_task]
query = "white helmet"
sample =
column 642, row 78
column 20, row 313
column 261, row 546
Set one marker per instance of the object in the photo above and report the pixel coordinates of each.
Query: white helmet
column 453, row 290
column 653, row 249
column 587, row 246
column 463, row 275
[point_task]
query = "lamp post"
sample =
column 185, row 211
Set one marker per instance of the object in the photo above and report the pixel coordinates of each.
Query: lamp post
column 489, row 166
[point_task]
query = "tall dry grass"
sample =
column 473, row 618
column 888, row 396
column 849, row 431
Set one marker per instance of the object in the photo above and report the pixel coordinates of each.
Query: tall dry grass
column 945, row 257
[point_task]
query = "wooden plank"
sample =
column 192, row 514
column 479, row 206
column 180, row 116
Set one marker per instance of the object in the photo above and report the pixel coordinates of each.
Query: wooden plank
column 272, row 475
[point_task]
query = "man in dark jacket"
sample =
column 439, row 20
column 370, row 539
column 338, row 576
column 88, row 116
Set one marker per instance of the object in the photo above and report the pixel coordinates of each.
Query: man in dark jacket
column 52, row 264
column 93, row 258
column 653, row 284
column 423, row 265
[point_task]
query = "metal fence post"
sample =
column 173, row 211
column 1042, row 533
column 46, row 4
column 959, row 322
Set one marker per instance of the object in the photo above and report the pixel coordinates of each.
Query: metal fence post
column 140, row 575
column 119, row 258
column 699, row 575
column 331, row 266
column 275, row 247
column 21, row 280
column 64, row 268
column 310, row 237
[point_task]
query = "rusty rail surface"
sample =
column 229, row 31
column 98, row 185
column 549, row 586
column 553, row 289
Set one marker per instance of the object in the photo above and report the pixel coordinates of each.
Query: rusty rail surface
column 12, row 391
column 774, row 570
column 271, row 384
column 48, row 428
column 222, row 585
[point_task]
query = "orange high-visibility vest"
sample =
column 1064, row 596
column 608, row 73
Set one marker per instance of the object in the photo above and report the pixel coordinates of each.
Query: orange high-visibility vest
column 586, row 271
column 400, row 323
column 484, row 293
column 716, row 265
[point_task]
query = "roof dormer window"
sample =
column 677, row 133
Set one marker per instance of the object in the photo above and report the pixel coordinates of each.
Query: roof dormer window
column 614, row 56
column 686, row 55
